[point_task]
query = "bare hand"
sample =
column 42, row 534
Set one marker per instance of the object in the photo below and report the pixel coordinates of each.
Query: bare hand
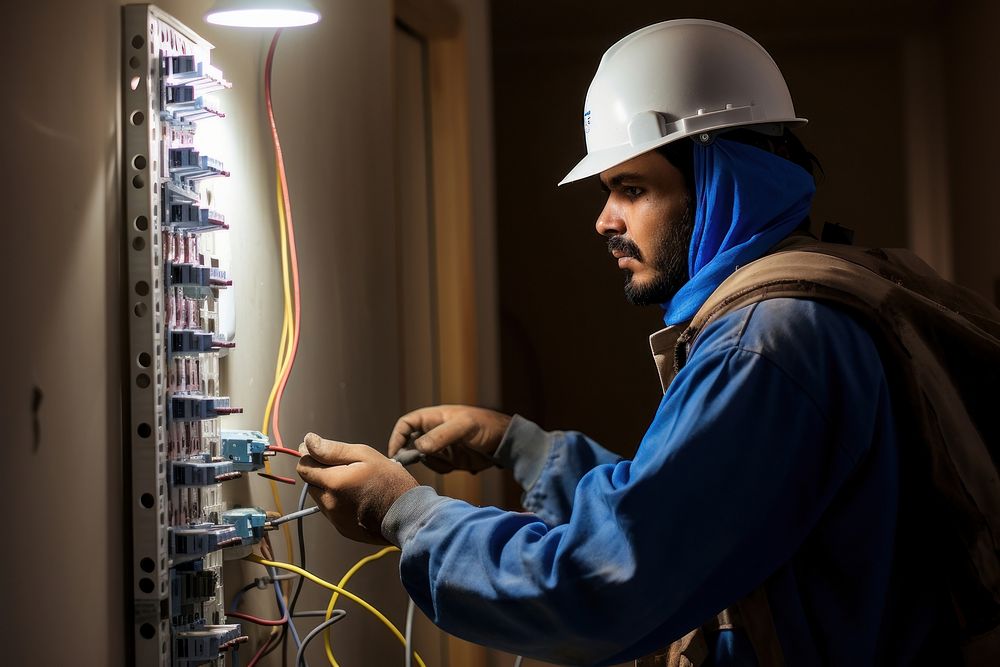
column 455, row 437
column 354, row 485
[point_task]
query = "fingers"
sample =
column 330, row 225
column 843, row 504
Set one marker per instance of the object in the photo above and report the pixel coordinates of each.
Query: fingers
column 423, row 419
column 452, row 432
column 312, row 472
column 333, row 452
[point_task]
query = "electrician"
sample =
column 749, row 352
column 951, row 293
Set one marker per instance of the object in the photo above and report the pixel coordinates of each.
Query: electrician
column 768, row 477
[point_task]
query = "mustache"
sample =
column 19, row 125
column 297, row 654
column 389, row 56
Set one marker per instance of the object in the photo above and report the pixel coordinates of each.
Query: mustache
column 624, row 246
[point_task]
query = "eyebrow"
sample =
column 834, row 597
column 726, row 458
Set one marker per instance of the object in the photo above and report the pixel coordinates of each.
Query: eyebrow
column 618, row 179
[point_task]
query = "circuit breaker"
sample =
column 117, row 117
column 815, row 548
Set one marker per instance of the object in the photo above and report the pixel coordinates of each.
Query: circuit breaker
column 177, row 287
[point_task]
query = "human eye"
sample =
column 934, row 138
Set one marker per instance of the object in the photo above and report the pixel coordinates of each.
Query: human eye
column 632, row 191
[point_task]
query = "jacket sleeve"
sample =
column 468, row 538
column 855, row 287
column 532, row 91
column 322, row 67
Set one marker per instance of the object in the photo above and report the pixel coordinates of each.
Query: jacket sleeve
column 548, row 465
column 741, row 459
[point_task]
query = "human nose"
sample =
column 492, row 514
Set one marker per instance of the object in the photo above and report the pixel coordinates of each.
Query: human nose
column 610, row 222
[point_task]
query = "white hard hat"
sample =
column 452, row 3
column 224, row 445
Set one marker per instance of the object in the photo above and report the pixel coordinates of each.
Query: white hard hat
column 677, row 79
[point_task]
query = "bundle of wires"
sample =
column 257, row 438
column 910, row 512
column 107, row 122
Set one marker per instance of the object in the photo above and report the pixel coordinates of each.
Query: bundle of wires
column 287, row 350
column 287, row 347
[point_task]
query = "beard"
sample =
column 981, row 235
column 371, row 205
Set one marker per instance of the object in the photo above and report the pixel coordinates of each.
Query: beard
column 669, row 261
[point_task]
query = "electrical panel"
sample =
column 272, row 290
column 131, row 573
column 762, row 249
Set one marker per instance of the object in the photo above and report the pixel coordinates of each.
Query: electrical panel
column 178, row 284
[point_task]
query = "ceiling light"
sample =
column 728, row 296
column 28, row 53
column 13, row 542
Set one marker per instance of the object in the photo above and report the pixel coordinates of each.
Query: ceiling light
column 262, row 13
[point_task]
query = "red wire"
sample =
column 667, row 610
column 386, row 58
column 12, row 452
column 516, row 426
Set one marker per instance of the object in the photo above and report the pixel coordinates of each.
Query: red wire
column 262, row 650
column 277, row 478
column 257, row 620
column 285, row 450
column 293, row 253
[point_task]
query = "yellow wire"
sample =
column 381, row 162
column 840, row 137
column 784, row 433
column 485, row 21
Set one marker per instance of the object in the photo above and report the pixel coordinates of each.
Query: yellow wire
column 283, row 359
column 288, row 325
column 343, row 582
column 337, row 589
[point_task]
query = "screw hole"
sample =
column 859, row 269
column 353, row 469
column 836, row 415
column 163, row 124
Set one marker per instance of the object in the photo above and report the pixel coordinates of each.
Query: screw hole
column 140, row 309
column 142, row 380
column 147, row 564
column 138, row 243
column 142, row 288
column 139, row 162
column 147, row 631
column 134, row 63
column 145, row 430
column 146, row 585
column 137, row 118
column 138, row 183
column 134, row 83
column 142, row 223
column 138, row 42
column 144, row 359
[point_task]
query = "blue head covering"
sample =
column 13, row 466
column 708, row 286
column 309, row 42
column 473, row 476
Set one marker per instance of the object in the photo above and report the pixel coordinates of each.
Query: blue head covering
column 747, row 201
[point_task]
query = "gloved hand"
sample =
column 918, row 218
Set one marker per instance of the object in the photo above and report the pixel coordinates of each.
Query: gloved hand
column 455, row 437
column 354, row 485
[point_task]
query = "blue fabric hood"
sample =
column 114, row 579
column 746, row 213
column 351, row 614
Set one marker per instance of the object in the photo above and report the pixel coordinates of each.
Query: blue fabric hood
column 747, row 201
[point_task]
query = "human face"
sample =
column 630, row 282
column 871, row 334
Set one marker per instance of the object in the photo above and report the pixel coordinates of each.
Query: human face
column 648, row 222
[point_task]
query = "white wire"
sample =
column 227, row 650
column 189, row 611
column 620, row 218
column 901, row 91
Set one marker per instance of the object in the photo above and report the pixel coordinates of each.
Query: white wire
column 517, row 661
column 409, row 633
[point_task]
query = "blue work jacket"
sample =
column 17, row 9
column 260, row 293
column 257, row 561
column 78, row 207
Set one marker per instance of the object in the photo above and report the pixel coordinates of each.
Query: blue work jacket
column 771, row 459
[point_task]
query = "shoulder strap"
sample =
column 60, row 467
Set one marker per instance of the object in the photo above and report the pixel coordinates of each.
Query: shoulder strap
column 941, row 346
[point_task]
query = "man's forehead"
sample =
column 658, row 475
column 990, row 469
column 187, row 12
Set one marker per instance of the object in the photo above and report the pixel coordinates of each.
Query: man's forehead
column 638, row 167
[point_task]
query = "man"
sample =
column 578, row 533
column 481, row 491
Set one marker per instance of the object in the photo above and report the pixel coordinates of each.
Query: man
column 770, row 469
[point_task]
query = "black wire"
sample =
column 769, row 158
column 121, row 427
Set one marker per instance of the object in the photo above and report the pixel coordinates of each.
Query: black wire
column 298, row 587
column 300, row 658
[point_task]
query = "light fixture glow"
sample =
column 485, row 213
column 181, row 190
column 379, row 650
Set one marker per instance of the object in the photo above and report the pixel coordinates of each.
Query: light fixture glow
column 262, row 13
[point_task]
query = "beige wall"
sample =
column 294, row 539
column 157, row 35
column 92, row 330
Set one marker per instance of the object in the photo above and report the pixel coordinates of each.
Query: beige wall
column 64, row 567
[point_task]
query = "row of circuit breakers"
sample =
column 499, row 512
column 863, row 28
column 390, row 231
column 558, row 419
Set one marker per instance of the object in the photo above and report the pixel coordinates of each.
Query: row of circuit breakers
column 183, row 528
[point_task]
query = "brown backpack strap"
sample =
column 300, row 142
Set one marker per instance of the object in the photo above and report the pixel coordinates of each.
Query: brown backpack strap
column 752, row 614
column 691, row 650
column 758, row 622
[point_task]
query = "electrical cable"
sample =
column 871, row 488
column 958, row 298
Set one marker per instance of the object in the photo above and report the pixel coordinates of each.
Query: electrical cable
column 294, row 516
column 311, row 612
column 518, row 660
column 410, row 607
column 283, row 480
column 249, row 617
column 343, row 582
column 302, row 558
column 254, row 558
column 292, row 250
column 285, row 450
column 289, row 331
column 300, row 657
column 256, row 620
column 261, row 651
column 284, row 609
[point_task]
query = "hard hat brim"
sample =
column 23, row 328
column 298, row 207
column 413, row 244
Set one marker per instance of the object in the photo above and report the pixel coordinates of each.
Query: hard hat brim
column 598, row 161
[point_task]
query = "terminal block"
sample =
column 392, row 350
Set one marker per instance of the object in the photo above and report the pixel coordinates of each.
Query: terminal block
column 190, row 341
column 195, row 341
column 191, row 585
column 196, row 275
column 197, row 408
column 192, row 218
column 183, row 104
column 246, row 449
column 188, row 166
column 198, row 539
column 202, row 470
column 190, row 71
column 202, row 644
column 248, row 521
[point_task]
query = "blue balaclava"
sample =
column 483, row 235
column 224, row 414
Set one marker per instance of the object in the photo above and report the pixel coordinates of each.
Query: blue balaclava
column 747, row 201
